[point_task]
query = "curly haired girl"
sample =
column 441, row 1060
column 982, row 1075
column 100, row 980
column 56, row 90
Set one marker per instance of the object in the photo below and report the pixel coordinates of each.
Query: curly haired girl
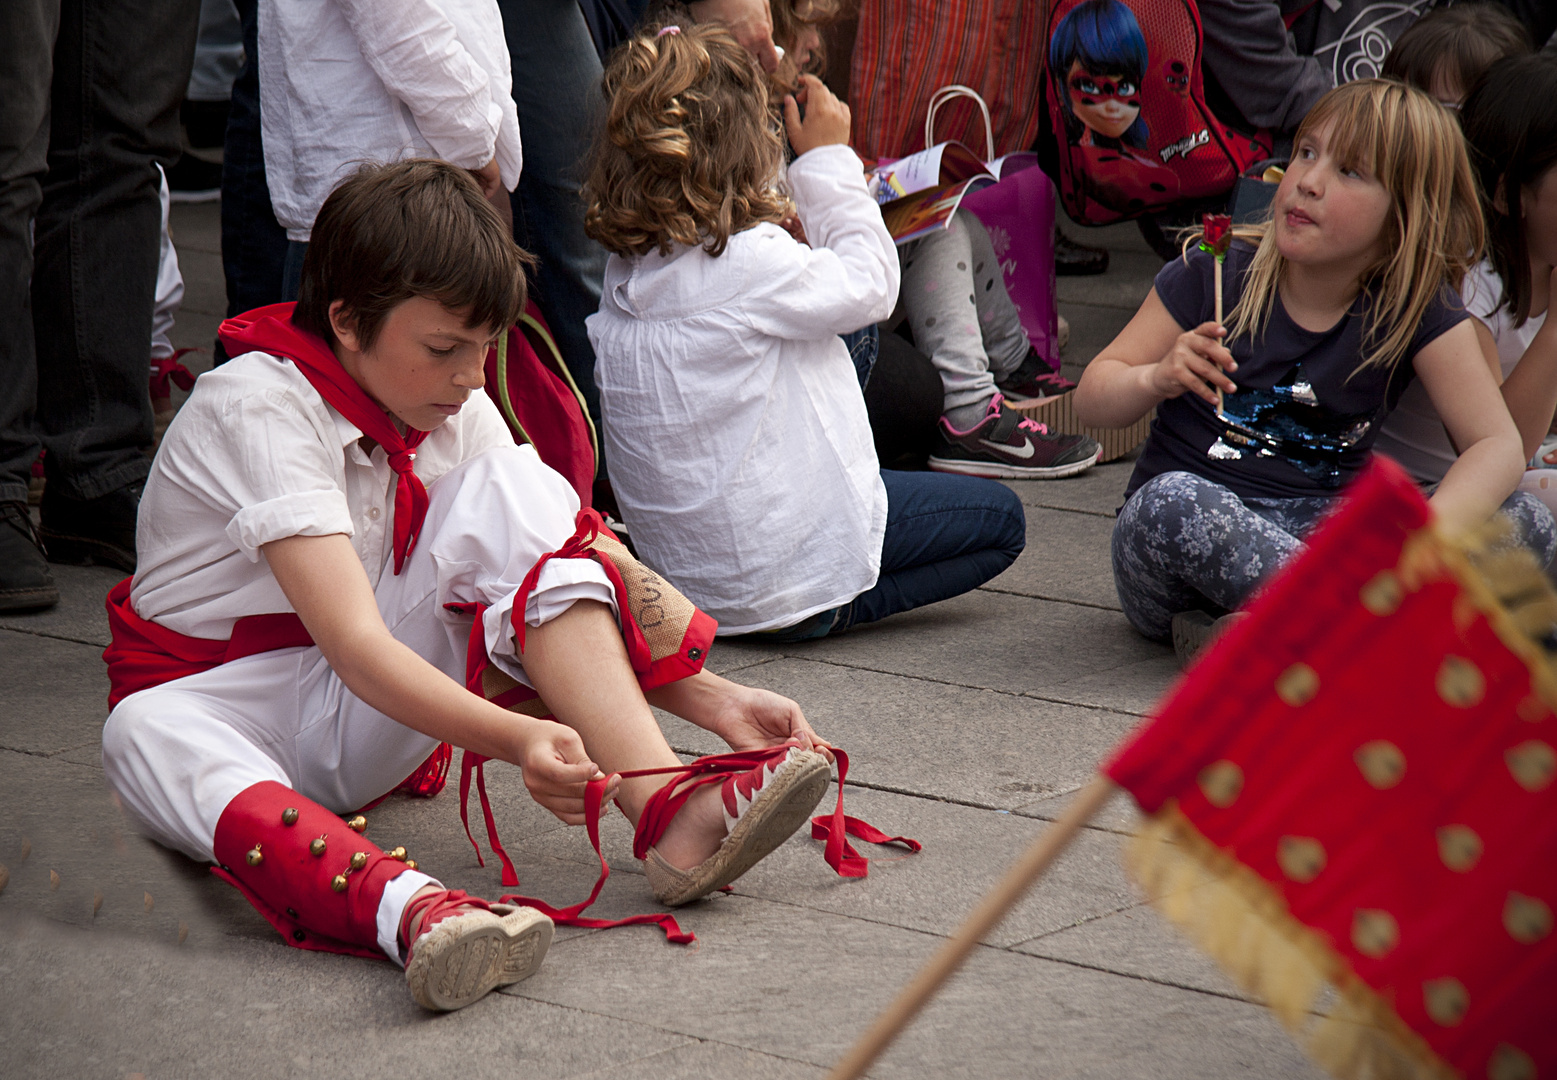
column 740, row 447
column 1343, row 298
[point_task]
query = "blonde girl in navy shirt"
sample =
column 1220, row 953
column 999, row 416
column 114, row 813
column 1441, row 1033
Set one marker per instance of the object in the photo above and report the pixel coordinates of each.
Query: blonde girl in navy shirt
column 1334, row 306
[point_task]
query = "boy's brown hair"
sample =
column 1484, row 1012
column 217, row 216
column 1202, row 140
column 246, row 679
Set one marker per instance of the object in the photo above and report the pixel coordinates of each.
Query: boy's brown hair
column 413, row 228
column 689, row 153
column 1457, row 44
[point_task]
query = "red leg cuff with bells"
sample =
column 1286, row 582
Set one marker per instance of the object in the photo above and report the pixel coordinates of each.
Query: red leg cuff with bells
column 314, row 877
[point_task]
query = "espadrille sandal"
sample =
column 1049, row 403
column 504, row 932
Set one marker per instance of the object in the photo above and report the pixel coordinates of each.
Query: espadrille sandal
column 768, row 794
column 764, row 803
column 466, row 947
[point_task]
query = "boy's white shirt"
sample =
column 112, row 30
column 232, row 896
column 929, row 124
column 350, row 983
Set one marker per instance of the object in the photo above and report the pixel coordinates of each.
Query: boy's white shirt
column 739, row 446
column 346, row 81
column 1413, row 434
column 256, row 455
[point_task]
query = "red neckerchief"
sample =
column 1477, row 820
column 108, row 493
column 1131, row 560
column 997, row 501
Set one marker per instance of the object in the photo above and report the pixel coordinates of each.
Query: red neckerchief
column 270, row 330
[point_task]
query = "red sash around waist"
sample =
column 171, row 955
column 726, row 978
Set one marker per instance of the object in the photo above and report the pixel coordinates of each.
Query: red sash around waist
column 144, row 654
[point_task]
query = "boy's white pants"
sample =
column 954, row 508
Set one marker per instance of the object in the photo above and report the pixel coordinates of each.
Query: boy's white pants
column 178, row 753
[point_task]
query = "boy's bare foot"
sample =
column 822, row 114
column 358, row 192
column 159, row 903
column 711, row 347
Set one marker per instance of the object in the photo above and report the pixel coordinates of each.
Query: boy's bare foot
column 758, row 810
column 696, row 831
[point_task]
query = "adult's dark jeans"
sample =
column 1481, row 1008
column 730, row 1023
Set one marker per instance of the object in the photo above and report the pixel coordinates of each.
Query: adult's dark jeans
column 254, row 245
column 557, row 92
column 946, row 534
column 89, row 95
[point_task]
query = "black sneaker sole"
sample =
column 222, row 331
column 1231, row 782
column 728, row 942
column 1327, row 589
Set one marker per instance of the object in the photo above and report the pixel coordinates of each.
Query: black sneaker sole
column 1000, row 470
column 85, row 551
column 34, row 599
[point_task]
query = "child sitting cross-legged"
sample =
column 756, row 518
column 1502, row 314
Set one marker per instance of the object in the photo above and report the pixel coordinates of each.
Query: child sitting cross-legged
column 337, row 524
column 740, row 448
column 1337, row 303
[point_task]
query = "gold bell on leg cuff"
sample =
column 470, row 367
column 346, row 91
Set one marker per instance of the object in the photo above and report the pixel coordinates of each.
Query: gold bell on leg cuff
column 358, row 824
column 317, row 846
column 254, row 856
column 396, row 853
column 359, row 860
column 338, row 883
column 289, row 816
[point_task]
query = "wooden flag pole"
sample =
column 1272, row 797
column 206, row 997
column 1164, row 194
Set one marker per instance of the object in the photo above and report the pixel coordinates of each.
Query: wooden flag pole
column 997, row 903
column 1220, row 399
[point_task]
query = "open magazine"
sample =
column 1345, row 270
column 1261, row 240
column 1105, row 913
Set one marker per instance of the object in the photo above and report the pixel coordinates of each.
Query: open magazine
column 919, row 193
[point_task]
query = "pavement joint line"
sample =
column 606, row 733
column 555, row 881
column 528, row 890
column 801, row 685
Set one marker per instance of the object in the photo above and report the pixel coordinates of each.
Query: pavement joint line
column 1138, row 977
column 1030, row 694
column 1132, row 308
column 1036, row 696
column 700, row 1039
column 1011, row 950
column 1050, row 599
column 1075, row 510
column 54, row 637
column 1137, row 906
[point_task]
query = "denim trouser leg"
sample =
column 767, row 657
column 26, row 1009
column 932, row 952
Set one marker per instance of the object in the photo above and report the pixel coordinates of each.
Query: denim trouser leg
column 557, row 91
column 864, row 347
column 292, row 269
column 119, row 73
column 1183, row 543
column 254, row 245
column 946, row 534
column 27, row 31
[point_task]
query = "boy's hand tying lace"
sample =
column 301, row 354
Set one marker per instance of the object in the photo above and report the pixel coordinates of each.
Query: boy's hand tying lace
column 556, row 770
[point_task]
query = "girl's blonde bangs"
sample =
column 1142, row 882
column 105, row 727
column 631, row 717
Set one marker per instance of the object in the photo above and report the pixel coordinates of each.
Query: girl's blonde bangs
column 1412, row 147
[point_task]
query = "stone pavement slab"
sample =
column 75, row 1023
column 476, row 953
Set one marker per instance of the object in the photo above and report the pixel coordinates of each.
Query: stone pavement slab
column 971, row 725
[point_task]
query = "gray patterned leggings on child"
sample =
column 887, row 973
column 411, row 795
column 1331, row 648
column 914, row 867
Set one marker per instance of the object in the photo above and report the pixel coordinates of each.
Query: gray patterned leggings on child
column 1183, row 542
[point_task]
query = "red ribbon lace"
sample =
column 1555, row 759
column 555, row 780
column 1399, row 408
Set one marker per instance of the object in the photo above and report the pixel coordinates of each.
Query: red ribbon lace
column 832, row 828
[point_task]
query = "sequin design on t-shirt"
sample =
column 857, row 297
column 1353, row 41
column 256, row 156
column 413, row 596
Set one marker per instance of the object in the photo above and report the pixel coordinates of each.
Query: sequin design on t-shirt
column 1288, row 422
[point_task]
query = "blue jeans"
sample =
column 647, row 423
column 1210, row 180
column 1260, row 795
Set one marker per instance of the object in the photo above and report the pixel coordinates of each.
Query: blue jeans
column 946, row 535
column 864, row 347
column 254, row 245
column 292, row 269
column 557, row 92
column 89, row 108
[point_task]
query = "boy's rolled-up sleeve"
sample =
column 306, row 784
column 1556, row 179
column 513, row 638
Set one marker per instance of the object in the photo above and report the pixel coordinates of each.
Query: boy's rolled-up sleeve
column 279, row 480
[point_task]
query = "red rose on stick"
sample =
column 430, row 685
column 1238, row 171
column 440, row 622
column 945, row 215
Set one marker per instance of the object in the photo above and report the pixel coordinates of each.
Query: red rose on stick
column 1216, row 234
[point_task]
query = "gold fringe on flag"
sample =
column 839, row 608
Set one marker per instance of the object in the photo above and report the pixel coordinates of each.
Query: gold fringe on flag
column 1242, row 922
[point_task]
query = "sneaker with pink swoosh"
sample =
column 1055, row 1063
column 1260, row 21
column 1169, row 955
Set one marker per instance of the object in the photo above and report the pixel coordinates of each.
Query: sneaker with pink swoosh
column 1006, row 445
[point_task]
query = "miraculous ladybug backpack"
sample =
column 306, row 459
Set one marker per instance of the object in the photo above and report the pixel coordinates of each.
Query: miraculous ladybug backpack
column 533, row 389
column 1128, row 114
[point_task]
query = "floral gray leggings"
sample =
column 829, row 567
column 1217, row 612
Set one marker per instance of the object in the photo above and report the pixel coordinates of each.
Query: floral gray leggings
column 1183, row 542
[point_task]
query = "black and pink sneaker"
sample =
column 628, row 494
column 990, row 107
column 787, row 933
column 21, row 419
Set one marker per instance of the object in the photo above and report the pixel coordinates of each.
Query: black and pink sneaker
column 1034, row 380
column 1005, row 445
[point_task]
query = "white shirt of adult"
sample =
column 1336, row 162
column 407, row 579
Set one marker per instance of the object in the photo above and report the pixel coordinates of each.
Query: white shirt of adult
column 1413, row 434
column 348, row 81
column 740, row 450
column 257, row 455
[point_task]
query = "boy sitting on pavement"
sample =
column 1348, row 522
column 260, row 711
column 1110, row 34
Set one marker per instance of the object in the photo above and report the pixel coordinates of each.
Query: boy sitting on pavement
column 331, row 517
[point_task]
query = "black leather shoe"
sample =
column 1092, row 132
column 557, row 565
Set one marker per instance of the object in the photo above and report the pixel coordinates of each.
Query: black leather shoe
column 1073, row 259
column 79, row 532
column 25, row 581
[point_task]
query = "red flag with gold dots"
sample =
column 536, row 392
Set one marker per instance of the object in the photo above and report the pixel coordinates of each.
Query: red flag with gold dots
column 1353, row 798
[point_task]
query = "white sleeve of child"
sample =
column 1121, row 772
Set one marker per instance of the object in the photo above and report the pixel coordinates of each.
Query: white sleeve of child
column 413, row 48
column 278, row 479
column 847, row 278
